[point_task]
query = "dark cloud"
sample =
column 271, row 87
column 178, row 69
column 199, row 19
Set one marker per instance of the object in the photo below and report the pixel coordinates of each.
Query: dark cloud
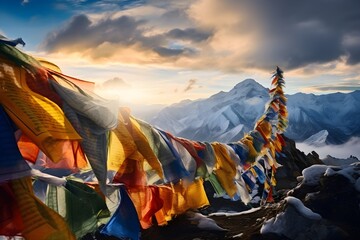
column 190, row 34
column 354, row 55
column 297, row 33
column 348, row 85
column 338, row 88
column 81, row 33
column 168, row 52
column 190, row 85
column 175, row 17
column 174, row 52
column 294, row 34
column 352, row 46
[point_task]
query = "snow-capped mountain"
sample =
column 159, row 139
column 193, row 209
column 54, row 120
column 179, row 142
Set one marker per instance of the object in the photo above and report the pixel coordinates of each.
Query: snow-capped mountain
column 226, row 116
column 338, row 113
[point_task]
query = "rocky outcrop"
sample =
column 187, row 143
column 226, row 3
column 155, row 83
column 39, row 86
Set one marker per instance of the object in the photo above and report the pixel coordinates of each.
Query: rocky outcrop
column 293, row 161
column 298, row 222
column 335, row 196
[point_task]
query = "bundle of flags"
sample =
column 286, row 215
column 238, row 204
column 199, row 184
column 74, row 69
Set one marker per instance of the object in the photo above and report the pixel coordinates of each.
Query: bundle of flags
column 71, row 160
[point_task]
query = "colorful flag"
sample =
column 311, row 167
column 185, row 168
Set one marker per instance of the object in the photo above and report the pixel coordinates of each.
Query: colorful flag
column 124, row 223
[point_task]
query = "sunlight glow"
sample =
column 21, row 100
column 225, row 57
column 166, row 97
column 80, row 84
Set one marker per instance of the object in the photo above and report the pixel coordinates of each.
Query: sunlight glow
column 123, row 96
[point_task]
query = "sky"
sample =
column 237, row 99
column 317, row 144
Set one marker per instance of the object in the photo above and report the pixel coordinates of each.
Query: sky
column 162, row 52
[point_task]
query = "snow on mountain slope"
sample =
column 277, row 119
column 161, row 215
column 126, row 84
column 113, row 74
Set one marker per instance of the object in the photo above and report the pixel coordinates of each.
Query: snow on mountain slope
column 338, row 113
column 226, row 116
column 318, row 139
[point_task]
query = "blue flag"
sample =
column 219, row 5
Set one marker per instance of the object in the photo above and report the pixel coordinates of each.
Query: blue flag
column 125, row 221
column 12, row 164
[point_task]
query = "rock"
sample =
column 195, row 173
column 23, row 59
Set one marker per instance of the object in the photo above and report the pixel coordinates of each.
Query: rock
column 293, row 161
column 298, row 222
column 335, row 198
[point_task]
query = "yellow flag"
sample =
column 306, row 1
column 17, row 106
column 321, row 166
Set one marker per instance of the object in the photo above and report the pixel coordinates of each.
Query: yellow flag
column 121, row 146
column 225, row 168
column 39, row 118
column 40, row 222
column 179, row 198
column 144, row 148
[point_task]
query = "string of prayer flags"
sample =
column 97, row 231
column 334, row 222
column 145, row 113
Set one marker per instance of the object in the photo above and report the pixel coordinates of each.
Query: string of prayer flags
column 59, row 125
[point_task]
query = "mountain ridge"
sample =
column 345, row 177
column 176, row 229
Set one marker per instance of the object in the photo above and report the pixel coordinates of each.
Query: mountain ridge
column 192, row 119
column 226, row 116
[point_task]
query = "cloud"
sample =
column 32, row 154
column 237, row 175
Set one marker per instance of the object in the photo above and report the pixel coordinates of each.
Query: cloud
column 82, row 34
column 173, row 52
column 190, row 85
column 346, row 85
column 190, row 34
column 285, row 33
column 24, row 2
column 351, row 43
column 122, row 38
column 352, row 147
column 227, row 35
column 168, row 52
column 340, row 88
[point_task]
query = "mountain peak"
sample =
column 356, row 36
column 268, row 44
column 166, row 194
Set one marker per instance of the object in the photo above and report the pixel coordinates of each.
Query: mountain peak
column 249, row 82
column 249, row 88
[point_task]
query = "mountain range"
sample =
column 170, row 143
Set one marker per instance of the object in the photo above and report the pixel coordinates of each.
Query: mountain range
column 226, row 116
